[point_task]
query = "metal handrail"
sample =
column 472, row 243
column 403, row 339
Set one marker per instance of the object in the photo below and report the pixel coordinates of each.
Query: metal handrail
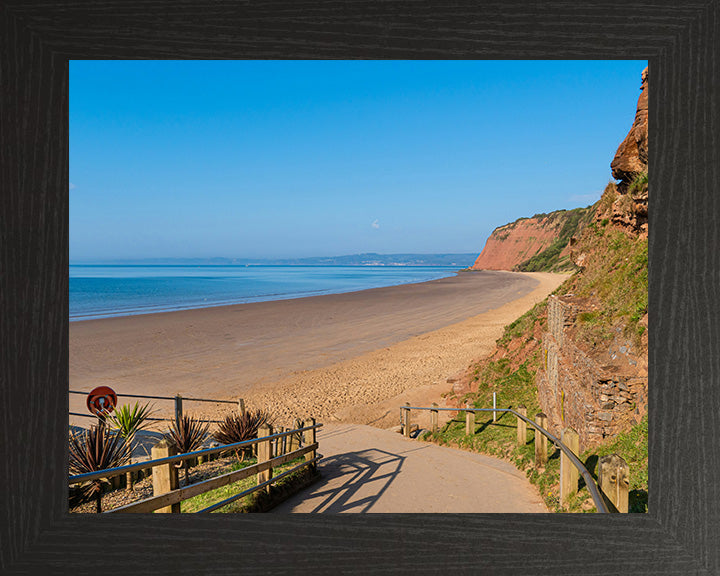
column 165, row 398
column 589, row 480
column 110, row 472
column 150, row 418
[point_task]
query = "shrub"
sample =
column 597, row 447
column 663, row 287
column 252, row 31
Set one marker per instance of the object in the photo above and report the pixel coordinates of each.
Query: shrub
column 188, row 433
column 240, row 427
column 97, row 449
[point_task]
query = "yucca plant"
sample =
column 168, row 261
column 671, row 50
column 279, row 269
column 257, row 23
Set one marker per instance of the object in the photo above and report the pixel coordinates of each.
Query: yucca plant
column 97, row 449
column 240, row 427
column 127, row 421
column 188, row 433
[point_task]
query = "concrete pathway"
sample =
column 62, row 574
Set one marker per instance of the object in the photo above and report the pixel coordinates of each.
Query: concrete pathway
column 366, row 469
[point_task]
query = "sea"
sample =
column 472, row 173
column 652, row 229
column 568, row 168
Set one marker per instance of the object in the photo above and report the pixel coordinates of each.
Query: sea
column 104, row 291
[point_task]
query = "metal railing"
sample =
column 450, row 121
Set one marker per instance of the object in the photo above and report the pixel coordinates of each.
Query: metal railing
column 589, row 480
column 164, row 398
column 177, row 399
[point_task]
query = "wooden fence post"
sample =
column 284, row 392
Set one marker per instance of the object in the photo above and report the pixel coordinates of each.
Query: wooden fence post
column 434, row 418
column 264, row 453
column 569, row 475
column 178, row 408
column 614, row 481
column 469, row 421
column 280, row 444
column 309, row 438
column 521, row 426
column 241, row 406
column 540, row 441
column 165, row 476
column 406, row 426
column 294, row 442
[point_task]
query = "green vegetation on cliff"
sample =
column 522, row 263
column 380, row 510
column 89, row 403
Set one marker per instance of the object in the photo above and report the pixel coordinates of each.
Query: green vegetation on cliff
column 616, row 276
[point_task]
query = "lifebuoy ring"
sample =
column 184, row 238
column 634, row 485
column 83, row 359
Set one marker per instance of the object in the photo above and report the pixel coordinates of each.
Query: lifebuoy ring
column 101, row 400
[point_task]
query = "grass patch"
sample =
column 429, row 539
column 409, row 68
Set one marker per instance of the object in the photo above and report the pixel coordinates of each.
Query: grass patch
column 639, row 184
column 618, row 278
column 632, row 446
column 524, row 326
column 242, row 505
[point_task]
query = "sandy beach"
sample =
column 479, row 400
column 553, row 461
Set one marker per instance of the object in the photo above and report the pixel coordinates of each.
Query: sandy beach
column 351, row 357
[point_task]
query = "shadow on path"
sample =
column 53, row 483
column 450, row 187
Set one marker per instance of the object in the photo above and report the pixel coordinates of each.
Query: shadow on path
column 354, row 481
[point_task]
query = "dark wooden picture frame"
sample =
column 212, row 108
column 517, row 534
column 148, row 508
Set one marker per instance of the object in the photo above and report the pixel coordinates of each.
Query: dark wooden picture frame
column 681, row 532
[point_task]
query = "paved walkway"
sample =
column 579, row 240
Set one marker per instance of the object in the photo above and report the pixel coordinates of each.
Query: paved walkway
column 366, row 469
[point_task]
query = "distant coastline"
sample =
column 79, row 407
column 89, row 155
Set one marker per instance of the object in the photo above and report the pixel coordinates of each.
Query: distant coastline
column 365, row 259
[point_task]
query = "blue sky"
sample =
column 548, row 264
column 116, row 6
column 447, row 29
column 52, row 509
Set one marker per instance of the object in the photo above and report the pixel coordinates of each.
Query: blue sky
column 260, row 159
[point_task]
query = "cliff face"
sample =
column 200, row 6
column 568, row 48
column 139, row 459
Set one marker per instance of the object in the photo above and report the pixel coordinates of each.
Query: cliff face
column 630, row 207
column 532, row 244
column 631, row 157
column 513, row 243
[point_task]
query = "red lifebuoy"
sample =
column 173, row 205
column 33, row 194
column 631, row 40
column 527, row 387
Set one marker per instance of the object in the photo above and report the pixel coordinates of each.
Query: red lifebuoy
column 101, row 400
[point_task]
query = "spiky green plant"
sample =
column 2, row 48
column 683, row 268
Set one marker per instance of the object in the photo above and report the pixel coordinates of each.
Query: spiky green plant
column 127, row 421
column 188, row 433
column 97, row 449
column 240, row 427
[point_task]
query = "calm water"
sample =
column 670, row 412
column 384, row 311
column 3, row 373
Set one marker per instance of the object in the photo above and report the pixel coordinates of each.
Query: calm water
column 102, row 291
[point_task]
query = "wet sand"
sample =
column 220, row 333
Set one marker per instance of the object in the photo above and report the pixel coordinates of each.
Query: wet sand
column 347, row 357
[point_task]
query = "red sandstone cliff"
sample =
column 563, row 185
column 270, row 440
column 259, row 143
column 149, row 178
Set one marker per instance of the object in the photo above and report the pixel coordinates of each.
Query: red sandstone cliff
column 511, row 244
column 630, row 165
column 533, row 244
column 631, row 157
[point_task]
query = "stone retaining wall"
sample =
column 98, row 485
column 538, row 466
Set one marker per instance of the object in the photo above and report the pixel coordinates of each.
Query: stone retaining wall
column 575, row 391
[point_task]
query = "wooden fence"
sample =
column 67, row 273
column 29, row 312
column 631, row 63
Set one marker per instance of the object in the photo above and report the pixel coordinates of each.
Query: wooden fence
column 167, row 494
column 613, row 472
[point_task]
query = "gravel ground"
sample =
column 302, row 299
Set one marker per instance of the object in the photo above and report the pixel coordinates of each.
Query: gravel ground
column 143, row 489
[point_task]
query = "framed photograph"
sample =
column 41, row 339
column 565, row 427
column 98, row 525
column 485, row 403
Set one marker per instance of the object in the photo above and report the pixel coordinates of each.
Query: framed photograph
column 679, row 533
